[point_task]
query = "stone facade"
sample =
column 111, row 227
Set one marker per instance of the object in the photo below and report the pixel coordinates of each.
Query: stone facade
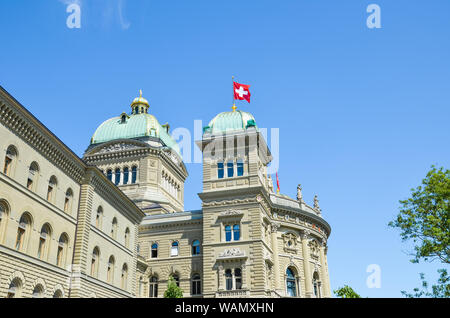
column 49, row 199
column 246, row 240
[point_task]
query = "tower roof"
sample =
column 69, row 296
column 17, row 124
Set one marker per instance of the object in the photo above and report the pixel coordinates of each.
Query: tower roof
column 230, row 122
column 137, row 125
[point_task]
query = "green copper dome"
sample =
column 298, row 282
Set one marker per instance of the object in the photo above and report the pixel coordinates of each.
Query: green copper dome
column 137, row 125
column 230, row 122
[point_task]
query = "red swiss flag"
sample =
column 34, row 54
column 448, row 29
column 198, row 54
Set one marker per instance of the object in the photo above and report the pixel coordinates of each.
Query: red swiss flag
column 241, row 91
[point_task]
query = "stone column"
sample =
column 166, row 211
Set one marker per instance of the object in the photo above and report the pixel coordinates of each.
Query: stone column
column 244, row 275
column 306, row 265
column 220, row 271
column 325, row 274
column 276, row 261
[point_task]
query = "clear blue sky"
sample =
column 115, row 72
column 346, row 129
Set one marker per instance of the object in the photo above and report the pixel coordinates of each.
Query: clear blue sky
column 362, row 113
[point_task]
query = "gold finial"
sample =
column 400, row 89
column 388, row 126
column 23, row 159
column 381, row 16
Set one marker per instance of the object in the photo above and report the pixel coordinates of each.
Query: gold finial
column 234, row 107
column 140, row 93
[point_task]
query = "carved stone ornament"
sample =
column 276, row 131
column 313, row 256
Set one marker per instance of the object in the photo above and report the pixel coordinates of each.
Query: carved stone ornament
column 117, row 147
column 232, row 252
column 231, row 213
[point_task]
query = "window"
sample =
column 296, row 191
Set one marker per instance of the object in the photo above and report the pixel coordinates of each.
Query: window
column 240, row 167
column 14, row 288
column 230, row 169
column 22, row 232
column 154, row 250
column 114, row 228
column 58, row 294
column 44, row 240
column 220, row 170
column 109, row 174
column 238, row 278
column 51, row 188
column 228, row 279
column 68, row 201
column 127, row 237
column 124, row 277
column 316, row 285
column 99, row 218
column 133, row 175
column 32, row 176
column 153, row 290
column 174, row 249
column 38, row 291
column 291, row 287
column 62, row 248
column 95, row 261
column 176, row 278
column 236, row 232
column 117, row 177
column 196, row 285
column 3, row 218
column 228, row 233
column 196, row 247
column 110, row 270
column 10, row 158
column 126, row 175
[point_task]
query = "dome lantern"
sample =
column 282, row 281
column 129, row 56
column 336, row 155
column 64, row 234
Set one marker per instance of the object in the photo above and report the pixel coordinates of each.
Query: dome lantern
column 139, row 105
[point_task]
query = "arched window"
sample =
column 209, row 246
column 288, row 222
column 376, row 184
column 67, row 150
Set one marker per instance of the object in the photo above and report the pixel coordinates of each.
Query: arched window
column 10, row 160
column 154, row 250
column 32, row 176
column 62, row 250
column 317, row 285
column 52, row 183
column 174, row 249
column 196, row 247
column 240, row 167
column 126, row 175
column 99, row 218
column 38, row 291
column 114, row 228
column 110, row 270
column 291, row 283
column 124, row 278
column 228, row 233
column 23, row 232
column 238, row 278
column 117, row 177
column 44, row 242
column 220, row 170
column 228, row 279
column 15, row 288
column 58, row 294
column 133, row 174
column 68, row 201
column 153, row 290
column 196, row 285
column 176, row 278
column 109, row 174
column 4, row 212
column 230, row 169
column 127, row 237
column 236, row 232
column 95, row 261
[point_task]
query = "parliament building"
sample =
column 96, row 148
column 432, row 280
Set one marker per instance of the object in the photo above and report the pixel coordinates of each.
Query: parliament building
column 113, row 223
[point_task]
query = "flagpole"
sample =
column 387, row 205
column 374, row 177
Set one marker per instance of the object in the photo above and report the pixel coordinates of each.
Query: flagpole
column 234, row 101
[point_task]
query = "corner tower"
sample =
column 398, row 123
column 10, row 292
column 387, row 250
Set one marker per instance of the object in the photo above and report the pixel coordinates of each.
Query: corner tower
column 138, row 154
column 235, row 158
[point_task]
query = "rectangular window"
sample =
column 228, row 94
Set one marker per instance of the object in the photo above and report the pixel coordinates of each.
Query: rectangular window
column 19, row 241
column 220, row 170
column 240, row 168
column 230, row 169
column 125, row 175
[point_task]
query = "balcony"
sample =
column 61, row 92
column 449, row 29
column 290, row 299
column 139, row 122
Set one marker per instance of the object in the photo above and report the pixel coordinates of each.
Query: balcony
column 240, row 293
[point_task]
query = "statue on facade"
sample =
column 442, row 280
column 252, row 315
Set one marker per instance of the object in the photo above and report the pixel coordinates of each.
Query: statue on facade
column 299, row 193
column 270, row 184
column 316, row 204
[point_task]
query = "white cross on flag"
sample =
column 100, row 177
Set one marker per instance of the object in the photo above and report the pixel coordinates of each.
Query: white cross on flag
column 241, row 91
